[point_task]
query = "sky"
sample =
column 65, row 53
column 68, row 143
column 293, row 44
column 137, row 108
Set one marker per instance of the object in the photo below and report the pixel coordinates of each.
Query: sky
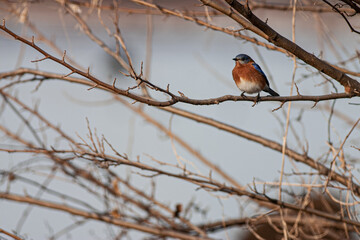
column 197, row 62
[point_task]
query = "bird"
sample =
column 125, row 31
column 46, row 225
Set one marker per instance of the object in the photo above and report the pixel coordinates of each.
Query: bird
column 249, row 77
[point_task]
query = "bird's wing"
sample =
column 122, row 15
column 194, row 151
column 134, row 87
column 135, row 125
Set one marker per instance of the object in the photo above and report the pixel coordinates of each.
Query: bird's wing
column 257, row 67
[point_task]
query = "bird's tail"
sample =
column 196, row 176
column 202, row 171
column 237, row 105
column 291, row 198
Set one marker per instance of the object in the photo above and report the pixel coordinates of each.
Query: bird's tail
column 272, row 92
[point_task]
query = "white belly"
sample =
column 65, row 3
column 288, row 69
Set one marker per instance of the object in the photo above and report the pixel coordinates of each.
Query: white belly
column 249, row 87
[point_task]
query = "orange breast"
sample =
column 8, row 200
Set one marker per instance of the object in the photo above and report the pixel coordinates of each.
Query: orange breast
column 246, row 72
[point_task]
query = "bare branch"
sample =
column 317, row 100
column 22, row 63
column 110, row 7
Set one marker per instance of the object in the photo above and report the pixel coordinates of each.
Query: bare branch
column 350, row 85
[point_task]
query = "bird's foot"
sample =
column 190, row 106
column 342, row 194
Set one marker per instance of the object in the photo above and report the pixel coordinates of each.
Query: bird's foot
column 256, row 100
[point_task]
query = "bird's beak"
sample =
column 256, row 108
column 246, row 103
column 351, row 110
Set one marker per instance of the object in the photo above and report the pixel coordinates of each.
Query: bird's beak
column 234, row 59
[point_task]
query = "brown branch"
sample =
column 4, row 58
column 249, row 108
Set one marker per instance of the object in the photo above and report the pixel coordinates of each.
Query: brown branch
column 180, row 141
column 256, row 221
column 200, row 22
column 157, row 203
column 10, row 234
column 299, row 7
column 352, row 4
column 176, row 99
column 206, row 184
column 99, row 157
column 82, row 152
column 190, row 16
column 99, row 217
column 343, row 15
column 60, row 195
column 203, row 183
column 303, row 158
column 271, row 144
column 87, row 75
column 41, row 37
column 237, row 34
column 332, row 163
column 350, row 85
column 200, row 181
column 347, row 71
column 253, row 5
column 97, row 40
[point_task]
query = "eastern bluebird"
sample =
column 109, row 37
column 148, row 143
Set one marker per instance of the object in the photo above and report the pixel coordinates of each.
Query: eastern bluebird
column 249, row 77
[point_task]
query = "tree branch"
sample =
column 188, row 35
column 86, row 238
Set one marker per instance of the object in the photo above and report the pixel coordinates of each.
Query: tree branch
column 177, row 99
column 99, row 217
column 350, row 85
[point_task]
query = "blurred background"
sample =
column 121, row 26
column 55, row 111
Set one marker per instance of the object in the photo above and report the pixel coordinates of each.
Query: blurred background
column 195, row 61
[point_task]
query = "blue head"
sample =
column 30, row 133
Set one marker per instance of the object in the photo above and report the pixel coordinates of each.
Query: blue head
column 243, row 58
